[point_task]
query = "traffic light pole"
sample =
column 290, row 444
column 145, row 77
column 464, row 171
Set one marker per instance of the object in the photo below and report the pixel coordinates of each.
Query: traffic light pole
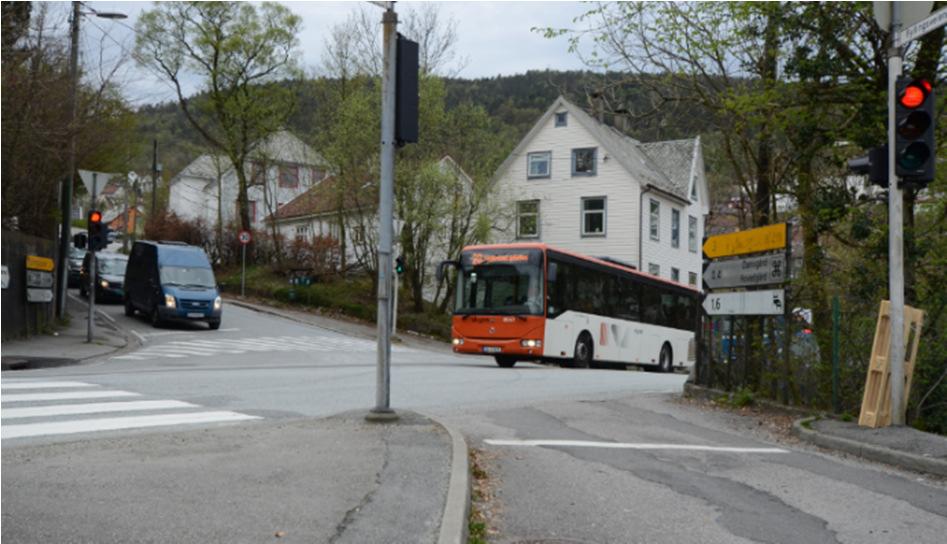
column 92, row 268
column 382, row 410
column 895, row 234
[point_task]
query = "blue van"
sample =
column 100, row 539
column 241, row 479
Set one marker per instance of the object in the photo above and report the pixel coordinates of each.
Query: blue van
column 171, row 281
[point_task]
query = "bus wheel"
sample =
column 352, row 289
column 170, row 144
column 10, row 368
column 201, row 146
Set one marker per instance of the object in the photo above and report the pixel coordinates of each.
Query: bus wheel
column 505, row 362
column 583, row 351
column 666, row 361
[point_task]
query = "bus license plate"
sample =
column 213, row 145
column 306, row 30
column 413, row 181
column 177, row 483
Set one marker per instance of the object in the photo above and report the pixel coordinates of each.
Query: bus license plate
column 195, row 315
column 492, row 349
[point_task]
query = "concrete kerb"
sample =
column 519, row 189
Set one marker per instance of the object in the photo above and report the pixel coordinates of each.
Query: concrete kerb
column 274, row 312
column 457, row 505
column 872, row 452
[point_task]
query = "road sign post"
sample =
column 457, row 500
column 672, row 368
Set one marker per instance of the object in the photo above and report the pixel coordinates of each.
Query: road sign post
column 244, row 237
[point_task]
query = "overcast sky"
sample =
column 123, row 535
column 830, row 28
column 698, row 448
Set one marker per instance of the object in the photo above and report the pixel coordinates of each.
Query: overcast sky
column 495, row 37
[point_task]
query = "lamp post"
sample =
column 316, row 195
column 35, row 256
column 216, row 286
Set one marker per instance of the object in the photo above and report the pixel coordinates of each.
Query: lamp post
column 65, row 235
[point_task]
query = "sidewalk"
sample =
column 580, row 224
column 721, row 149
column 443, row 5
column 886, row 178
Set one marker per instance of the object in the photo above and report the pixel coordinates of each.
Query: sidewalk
column 68, row 345
column 903, row 447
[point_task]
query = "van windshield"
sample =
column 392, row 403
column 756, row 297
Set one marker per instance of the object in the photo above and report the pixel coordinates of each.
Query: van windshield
column 187, row 276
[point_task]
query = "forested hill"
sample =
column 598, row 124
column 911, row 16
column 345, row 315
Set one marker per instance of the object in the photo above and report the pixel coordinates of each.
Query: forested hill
column 515, row 102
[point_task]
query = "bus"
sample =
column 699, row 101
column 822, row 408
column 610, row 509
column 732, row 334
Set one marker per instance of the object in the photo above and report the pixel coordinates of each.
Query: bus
column 533, row 302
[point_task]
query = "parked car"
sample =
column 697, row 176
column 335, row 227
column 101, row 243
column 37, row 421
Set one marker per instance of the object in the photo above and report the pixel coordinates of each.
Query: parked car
column 109, row 276
column 169, row 281
column 76, row 256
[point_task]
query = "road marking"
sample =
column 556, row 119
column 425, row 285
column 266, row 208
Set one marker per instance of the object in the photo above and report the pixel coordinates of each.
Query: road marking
column 118, row 423
column 236, row 346
column 94, row 408
column 628, row 446
column 34, row 397
column 139, row 335
column 43, row 385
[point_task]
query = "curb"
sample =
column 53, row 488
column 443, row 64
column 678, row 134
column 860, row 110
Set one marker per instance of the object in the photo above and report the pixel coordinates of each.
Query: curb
column 880, row 454
column 457, row 505
column 275, row 312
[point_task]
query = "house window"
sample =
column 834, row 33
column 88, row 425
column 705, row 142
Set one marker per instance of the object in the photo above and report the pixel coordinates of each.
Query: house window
column 538, row 164
column 289, row 176
column 692, row 233
column 257, row 172
column 593, row 216
column 692, row 278
column 583, row 161
column 561, row 119
column 694, row 191
column 654, row 269
column 302, row 231
column 655, row 220
column 358, row 234
column 675, row 274
column 527, row 219
column 675, row 228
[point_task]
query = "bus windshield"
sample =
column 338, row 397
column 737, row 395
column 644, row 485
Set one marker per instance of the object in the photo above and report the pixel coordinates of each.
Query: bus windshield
column 500, row 283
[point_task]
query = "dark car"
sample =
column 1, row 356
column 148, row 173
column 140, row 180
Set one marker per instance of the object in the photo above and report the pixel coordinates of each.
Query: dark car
column 171, row 281
column 109, row 276
column 75, row 265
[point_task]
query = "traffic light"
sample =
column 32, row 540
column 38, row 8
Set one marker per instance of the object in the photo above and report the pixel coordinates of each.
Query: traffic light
column 914, row 131
column 874, row 165
column 406, row 92
column 98, row 232
column 399, row 265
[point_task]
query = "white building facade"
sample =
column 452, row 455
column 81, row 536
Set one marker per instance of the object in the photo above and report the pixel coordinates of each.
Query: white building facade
column 576, row 183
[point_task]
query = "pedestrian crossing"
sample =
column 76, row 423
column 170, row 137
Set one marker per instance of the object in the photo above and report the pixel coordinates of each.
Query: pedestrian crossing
column 38, row 408
column 198, row 347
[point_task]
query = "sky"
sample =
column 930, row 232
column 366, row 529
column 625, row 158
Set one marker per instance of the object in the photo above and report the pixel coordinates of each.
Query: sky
column 494, row 37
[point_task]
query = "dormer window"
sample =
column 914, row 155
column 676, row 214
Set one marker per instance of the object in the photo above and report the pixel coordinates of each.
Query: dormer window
column 694, row 191
column 561, row 119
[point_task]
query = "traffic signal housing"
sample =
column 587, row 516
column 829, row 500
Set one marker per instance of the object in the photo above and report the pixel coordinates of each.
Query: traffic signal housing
column 98, row 232
column 406, row 92
column 399, row 265
column 914, row 131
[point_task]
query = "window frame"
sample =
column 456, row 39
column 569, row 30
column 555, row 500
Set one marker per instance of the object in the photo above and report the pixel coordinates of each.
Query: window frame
column 675, row 228
column 583, row 213
column 654, row 219
column 562, row 118
column 520, row 215
column 594, row 171
column 654, row 269
column 529, row 162
column 675, row 274
column 692, row 233
column 285, row 169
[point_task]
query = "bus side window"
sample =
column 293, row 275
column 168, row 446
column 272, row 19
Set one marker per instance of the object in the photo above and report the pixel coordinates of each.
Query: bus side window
column 650, row 305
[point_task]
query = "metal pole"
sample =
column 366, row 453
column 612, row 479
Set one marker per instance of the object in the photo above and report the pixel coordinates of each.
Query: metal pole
column 382, row 409
column 835, row 354
column 394, row 306
column 70, row 178
column 154, row 180
column 243, row 268
column 92, row 266
column 787, row 319
column 895, row 236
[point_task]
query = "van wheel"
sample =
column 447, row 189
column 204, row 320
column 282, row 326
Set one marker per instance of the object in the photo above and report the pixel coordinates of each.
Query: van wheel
column 129, row 309
column 505, row 362
column 214, row 325
column 583, row 351
column 155, row 318
column 666, row 359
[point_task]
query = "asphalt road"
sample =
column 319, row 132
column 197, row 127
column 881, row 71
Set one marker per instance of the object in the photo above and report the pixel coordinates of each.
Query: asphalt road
column 573, row 455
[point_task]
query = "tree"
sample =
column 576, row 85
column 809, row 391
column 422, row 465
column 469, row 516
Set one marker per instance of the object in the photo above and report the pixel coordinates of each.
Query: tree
column 242, row 54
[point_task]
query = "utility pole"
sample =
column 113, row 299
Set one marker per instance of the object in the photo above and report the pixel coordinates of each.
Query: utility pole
column 66, row 210
column 895, row 233
column 154, row 180
column 382, row 410
column 93, row 266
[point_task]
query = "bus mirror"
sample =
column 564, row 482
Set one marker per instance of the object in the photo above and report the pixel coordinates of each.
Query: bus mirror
column 441, row 269
column 553, row 268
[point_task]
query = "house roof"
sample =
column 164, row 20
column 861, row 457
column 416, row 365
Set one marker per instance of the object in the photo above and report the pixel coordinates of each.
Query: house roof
column 205, row 167
column 323, row 198
column 651, row 164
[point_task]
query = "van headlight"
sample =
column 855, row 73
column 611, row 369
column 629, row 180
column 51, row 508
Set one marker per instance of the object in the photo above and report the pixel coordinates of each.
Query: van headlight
column 531, row 343
column 218, row 303
column 104, row 284
column 169, row 301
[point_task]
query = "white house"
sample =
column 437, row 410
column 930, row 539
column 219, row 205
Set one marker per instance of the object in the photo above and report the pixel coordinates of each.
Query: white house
column 281, row 168
column 579, row 184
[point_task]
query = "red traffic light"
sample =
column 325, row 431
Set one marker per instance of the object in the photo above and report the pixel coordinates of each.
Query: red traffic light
column 914, row 94
column 95, row 216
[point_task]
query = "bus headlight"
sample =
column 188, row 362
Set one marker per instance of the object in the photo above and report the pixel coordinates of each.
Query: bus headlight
column 458, row 341
column 218, row 303
column 531, row 343
column 169, row 301
column 104, row 284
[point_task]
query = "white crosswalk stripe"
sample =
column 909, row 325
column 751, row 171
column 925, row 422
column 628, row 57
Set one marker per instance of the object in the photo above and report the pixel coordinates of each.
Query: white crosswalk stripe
column 179, row 349
column 43, row 411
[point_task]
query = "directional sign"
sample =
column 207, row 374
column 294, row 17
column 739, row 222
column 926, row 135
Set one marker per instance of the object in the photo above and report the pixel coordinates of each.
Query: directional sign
column 34, row 262
column 768, row 302
column 746, row 272
column 920, row 28
column 746, row 241
column 39, row 295
column 244, row 237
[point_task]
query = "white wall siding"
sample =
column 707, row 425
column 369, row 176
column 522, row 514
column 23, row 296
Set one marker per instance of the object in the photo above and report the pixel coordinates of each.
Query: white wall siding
column 561, row 195
column 661, row 252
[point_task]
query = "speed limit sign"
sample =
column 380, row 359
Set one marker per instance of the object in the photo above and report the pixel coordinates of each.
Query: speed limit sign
column 244, row 237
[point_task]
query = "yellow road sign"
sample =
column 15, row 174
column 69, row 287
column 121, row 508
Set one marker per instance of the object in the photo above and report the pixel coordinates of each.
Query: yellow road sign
column 746, row 241
column 39, row 263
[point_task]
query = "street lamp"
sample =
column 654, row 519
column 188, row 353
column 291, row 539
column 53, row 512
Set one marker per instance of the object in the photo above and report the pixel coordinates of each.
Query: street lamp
column 67, row 193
